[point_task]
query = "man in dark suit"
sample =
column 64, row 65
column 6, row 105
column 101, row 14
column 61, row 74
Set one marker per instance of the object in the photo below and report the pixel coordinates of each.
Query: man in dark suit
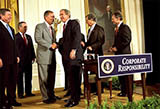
column 66, row 71
column 122, row 46
column 60, row 43
column 8, row 56
column 1, row 65
column 95, row 40
column 96, row 37
column 72, row 54
column 26, row 53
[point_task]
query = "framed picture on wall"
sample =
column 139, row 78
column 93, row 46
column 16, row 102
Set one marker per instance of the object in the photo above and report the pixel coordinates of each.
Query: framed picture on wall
column 103, row 10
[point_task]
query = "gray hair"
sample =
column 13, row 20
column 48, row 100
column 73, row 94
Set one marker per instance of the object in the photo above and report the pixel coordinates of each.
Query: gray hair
column 67, row 12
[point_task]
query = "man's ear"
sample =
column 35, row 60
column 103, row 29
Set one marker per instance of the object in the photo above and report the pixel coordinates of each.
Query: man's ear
column 119, row 18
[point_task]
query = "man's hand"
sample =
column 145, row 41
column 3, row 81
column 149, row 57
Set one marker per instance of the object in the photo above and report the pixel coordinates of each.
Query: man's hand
column 72, row 54
column 89, row 48
column 110, row 49
column 114, row 49
column 54, row 46
column 18, row 60
column 1, row 63
column 82, row 43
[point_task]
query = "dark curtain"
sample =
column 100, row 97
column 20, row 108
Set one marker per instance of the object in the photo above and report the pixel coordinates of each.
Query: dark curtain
column 152, row 37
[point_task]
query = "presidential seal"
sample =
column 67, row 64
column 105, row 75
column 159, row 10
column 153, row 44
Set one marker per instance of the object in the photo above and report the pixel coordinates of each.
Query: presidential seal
column 107, row 66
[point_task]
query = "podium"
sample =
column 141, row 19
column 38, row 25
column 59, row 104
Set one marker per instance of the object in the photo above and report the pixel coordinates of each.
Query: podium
column 91, row 65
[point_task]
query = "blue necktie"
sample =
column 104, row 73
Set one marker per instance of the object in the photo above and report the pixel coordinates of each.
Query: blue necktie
column 10, row 31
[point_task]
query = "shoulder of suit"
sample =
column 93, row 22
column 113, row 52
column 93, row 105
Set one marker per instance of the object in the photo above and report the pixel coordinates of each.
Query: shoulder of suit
column 12, row 28
column 27, row 35
column 73, row 21
column 99, row 27
column 124, row 25
column 17, row 34
column 40, row 24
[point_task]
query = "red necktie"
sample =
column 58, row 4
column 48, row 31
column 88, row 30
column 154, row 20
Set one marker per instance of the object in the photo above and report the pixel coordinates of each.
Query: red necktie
column 64, row 27
column 116, row 30
column 25, row 40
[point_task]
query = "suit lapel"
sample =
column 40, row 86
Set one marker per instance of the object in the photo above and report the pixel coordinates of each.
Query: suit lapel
column 120, row 27
column 20, row 37
column 67, row 26
column 92, row 33
column 47, row 30
column 5, row 29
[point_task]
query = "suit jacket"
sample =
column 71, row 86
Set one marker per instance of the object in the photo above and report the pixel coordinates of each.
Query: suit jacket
column 123, row 40
column 83, row 40
column 44, row 39
column 26, row 53
column 60, row 43
column 71, row 40
column 8, row 52
column 96, row 40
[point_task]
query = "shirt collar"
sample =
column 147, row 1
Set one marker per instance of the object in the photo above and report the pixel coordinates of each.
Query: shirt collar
column 120, row 24
column 47, row 24
column 66, row 22
column 4, row 23
column 22, row 34
column 92, row 27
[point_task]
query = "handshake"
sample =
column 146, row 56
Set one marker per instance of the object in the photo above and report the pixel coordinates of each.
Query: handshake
column 54, row 46
column 57, row 44
column 112, row 49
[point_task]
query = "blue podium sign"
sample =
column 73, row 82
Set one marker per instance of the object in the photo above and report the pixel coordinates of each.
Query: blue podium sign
column 117, row 65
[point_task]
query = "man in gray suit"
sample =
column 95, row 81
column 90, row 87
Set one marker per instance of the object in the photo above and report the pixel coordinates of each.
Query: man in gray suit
column 46, row 40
